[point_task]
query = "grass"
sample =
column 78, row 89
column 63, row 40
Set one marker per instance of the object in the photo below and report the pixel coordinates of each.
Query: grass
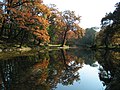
column 58, row 46
column 54, row 45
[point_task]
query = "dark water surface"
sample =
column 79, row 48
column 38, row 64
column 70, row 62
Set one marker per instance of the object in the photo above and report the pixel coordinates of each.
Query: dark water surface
column 72, row 69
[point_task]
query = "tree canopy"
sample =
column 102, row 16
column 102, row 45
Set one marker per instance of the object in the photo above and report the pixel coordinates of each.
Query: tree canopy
column 110, row 33
column 33, row 22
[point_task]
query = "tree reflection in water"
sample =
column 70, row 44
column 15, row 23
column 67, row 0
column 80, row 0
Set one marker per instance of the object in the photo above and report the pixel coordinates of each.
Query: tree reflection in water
column 41, row 71
column 110, row 69
column 45, row 70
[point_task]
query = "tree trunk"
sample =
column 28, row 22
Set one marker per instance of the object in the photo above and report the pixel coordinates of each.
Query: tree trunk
column 3, row 77
column 2, row 28
column 22, row 39
column 16, row 35
column 106, row 41
column 64, row 39
column 10, row 32
column 39, row 41
column 64, row 58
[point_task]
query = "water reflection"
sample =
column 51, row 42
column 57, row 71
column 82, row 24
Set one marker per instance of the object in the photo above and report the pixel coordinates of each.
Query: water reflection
column 110, row 68
column 51, row 70
column 42, row 71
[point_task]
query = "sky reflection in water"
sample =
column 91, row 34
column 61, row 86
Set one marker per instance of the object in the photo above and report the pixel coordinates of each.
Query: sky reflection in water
column 89, row 80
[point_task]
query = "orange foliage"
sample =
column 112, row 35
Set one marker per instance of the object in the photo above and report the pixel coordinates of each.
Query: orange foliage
column 1, row 11
column 41, row 65
column 70, row 34
column 42, row 35
column 28, row 15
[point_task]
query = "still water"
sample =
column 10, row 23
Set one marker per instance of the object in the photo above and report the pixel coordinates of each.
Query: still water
column 89, row 80
column 72, row 69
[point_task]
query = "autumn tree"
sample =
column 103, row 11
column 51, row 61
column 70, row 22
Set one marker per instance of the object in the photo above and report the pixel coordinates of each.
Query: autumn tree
column 66, row 64
column 60, row 22
column 55, row 24
column 70, row 20
column 24, row 18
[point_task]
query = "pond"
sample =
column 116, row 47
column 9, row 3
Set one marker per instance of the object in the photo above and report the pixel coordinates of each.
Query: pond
column 62, row 69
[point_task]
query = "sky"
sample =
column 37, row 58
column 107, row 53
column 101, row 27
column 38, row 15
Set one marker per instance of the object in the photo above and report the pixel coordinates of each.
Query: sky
column 91, row 11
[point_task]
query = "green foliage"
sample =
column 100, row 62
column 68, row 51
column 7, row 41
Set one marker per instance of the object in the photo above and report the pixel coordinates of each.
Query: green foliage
column 89, row 38
column 110, row 33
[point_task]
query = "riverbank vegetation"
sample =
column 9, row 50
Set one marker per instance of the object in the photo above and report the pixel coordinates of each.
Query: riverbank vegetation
column 31, row 23
column 109, row 35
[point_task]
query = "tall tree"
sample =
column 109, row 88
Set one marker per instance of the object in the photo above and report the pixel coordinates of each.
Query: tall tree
column 111, row 26
column 21, row 17
column 70, row 20
column 56, row 24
